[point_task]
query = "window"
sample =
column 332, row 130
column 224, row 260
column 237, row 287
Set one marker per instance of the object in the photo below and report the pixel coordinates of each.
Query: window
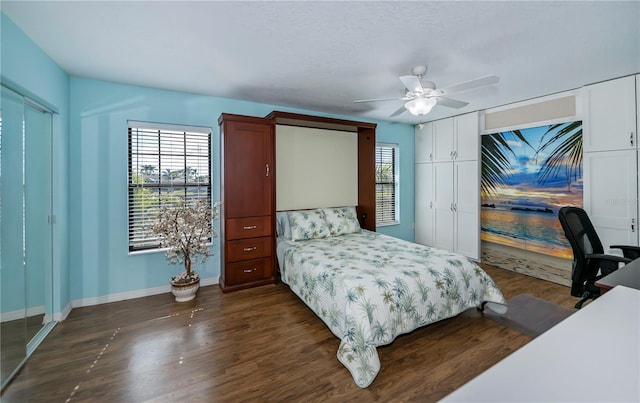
column 387, row 184
column 166, row 164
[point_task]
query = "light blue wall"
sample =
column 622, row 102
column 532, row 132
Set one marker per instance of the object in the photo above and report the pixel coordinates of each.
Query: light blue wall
column 27, row 69
column 90, row 253
column 403, row 136
column 100, row 263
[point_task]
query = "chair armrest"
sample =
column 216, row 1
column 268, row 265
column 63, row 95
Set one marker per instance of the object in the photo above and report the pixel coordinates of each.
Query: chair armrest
column 629, row 251
column 610, row 258
column 608, row 263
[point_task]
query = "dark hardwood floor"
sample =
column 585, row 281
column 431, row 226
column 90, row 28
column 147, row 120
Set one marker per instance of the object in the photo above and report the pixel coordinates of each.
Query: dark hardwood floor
column 261, row 344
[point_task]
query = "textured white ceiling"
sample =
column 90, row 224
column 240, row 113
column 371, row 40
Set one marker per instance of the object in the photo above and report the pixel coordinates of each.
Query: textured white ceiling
column 322, row 55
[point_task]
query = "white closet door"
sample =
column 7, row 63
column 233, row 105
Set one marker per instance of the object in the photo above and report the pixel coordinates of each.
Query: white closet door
column 611, row 115
column 467, row 137
column 610, row 196
column 467, row 208
column 443, row 205
column 424, row 143
column 424, row 204
column 443, row 142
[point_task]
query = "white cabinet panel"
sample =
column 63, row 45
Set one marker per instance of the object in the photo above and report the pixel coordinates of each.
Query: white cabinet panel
column 467, row 208
column 443, row 205
column 443, row 142
column 610, row 122
column 424, row 143
column 610, row 196
column 447, row 186
column 424, row 204
column 467, row 137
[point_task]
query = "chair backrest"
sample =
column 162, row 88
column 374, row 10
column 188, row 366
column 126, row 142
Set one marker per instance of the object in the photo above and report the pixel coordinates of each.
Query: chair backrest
column 584, row 240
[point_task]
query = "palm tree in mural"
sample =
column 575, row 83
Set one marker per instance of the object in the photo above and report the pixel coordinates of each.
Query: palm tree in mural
column 495, row 161
column 567, row 155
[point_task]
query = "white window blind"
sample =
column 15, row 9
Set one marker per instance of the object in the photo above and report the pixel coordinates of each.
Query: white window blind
column 386, row 184
column 167, row 164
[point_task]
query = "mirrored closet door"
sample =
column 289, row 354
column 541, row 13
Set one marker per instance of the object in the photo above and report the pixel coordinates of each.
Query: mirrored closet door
column 26, row 301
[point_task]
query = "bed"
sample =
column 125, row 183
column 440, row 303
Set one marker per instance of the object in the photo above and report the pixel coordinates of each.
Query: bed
column 369, row 288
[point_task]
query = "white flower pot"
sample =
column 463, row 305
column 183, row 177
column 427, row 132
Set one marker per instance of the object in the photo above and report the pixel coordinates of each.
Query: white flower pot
column 185, row 292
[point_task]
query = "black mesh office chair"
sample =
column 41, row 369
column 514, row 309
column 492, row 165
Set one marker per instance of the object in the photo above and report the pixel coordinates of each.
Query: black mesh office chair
column 589, row 261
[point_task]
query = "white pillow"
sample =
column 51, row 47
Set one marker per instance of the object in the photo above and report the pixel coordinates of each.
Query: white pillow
column 308, row 224
column 342, row 220
column 283, row 228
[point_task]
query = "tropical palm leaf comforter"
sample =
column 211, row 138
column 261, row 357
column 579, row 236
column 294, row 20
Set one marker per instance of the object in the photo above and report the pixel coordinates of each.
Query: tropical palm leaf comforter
column 369, row 288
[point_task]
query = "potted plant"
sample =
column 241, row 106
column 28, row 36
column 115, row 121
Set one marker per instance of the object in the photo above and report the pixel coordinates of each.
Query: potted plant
column 185, row 229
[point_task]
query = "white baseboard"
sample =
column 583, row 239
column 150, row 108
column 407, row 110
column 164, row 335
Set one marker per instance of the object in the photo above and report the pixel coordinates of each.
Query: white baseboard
column 60, row 316
column 20, row 313
column 105, row 299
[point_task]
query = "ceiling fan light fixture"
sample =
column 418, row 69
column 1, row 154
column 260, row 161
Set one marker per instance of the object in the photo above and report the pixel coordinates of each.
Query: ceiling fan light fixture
column 420, row 106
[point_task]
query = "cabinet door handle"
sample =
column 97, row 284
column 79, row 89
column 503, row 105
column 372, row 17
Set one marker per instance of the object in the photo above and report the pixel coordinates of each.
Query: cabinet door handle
column 430, row 156
column 430, row 204
column 633, row 225
column 631, row 138
column 248, row 227
column 250, row 249
column 267, row 169
column 249, row 270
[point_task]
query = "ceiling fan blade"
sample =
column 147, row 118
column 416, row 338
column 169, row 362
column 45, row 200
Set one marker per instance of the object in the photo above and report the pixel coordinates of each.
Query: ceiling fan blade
column 412, row 83
column 375, row 100
column 399, row 112
column 467, row 85
column 451, row 103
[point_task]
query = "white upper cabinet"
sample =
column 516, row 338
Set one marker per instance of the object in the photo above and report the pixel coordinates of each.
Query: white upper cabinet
column 611, row 115
column 456, row 139
column 467, row 137
column 443, row 142
column 424, row 143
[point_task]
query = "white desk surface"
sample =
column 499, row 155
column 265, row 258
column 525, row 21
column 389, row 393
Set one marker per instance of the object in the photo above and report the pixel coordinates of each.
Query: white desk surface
column 592, row 356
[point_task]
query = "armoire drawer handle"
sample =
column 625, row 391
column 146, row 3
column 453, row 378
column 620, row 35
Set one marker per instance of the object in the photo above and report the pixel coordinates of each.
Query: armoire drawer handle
column 249, row 270
column 250, row 249
column 250, row 227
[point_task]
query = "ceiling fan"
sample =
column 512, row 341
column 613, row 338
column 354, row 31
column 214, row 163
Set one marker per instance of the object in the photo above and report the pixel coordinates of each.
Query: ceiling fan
column 422, row 96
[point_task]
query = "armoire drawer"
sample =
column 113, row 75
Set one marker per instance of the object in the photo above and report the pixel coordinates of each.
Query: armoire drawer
column 248, row 227
column 250, row 248
column 248, row 270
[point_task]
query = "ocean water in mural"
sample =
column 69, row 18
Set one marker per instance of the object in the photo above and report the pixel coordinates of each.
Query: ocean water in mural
column 527, row 176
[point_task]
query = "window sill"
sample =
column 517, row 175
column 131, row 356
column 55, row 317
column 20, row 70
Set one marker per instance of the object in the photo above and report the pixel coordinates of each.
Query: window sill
column 147, row 251
column 387, row 224
column 157, row 250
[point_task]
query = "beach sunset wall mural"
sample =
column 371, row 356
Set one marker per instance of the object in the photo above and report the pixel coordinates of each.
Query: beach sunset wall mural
column 527, row 176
